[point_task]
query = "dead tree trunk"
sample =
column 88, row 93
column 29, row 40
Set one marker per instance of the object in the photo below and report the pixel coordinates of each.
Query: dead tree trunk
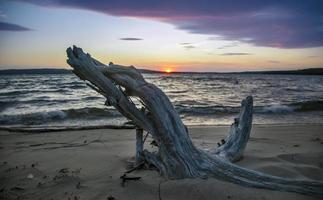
column 177, row 157
column 236, row 141
column 139, row 145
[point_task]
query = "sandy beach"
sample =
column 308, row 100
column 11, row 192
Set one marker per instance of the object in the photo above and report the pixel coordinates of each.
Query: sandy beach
column 87, row 164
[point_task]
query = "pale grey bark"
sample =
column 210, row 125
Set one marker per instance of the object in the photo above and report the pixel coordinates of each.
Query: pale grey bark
column 236, row 141
column 177, row 157
column 139, row 145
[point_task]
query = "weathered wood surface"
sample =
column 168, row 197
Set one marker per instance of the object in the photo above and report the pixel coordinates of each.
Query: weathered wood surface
column 177, row 157
column 236, row 141
column 139, row 145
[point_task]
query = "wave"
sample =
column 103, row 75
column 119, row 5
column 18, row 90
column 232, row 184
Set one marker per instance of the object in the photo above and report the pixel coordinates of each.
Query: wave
column 37, row 118
column 205, row 110
column 92, row 98
column 76, row 86
column 39, row 101
column 33, row 91
column 308, row 105
column 176, row 91
column 303, row 106
column 14, row 93
column 6, row 104
column 273, row 109
column 32, row 118
column 94, row 113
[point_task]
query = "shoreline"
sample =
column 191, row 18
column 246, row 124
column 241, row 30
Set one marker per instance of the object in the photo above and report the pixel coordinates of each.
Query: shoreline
column 44, row 129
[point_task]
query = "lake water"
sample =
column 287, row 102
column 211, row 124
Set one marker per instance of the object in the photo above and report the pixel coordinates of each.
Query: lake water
column 200, row 99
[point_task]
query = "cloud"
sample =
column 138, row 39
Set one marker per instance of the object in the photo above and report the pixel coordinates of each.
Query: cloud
column 131, row 39
column 270, row 23
column 233, row 44
column 235, row 54
column 313, row 56
column 273, row 61
column 12, row 27
column 187, row 45
column 3, row 15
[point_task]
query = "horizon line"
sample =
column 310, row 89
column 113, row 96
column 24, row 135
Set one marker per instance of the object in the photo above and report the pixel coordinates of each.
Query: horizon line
column 144, row 70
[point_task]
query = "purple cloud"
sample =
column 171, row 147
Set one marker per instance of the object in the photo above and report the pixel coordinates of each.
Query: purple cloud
column 271, row 23
column 12, row 27
column 131, row 39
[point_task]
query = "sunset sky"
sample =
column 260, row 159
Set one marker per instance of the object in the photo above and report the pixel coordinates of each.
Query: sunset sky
column 181, row 35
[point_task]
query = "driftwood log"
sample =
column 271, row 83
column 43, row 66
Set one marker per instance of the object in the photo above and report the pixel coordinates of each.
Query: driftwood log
column 177, row 157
